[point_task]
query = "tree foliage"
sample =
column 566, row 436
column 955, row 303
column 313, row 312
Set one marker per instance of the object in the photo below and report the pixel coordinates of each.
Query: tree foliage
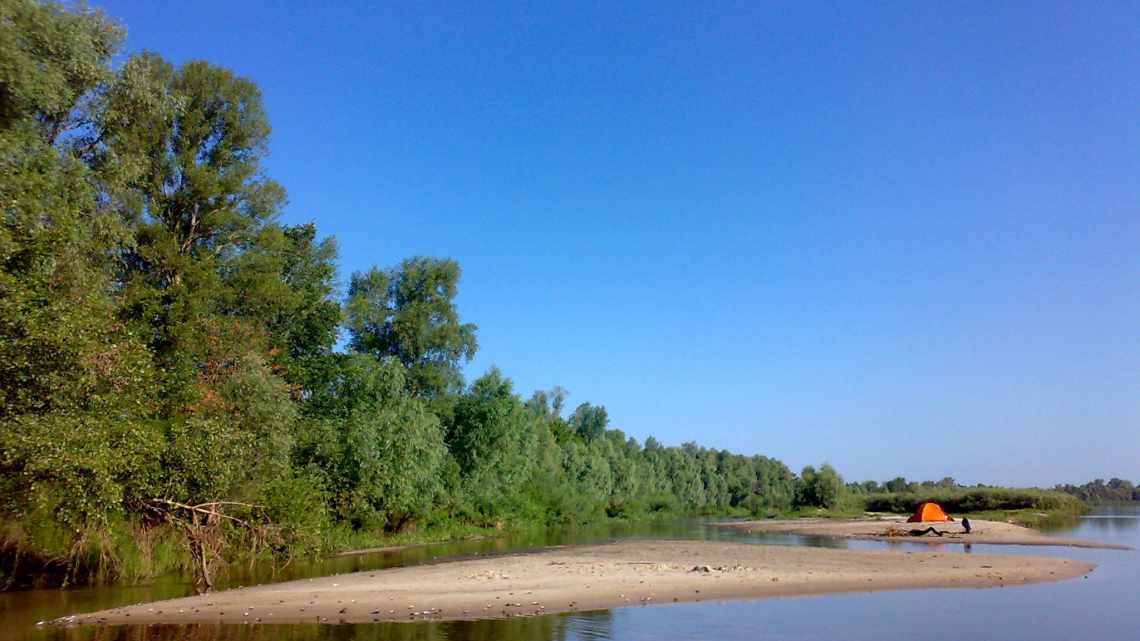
column 165, row 340
column 377, row 450
column 409, row 313
column 1100, row 491
column 822, row 488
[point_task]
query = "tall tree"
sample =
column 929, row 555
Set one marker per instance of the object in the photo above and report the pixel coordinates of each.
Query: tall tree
column 589, row 421
column 178, row 153
column 409, row 313
column 218, row 289
column 822, row 488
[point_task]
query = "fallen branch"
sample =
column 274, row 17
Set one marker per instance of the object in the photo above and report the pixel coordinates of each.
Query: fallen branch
column 201, row 523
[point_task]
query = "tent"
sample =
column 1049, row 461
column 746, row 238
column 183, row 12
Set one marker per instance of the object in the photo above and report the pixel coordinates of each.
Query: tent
column 929, row 511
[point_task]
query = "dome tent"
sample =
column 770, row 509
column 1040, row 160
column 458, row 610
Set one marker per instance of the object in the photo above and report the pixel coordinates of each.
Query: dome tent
column 928, row 511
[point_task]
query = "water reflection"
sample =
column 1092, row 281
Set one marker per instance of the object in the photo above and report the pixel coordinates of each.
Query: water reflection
column 20, row 610
column 584, row 625
column 1111, row 519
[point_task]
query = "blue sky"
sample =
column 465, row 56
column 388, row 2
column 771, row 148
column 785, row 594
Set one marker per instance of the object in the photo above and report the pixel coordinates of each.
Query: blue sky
column 900, row 238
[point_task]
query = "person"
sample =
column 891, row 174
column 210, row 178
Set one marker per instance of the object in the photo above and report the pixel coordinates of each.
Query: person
column 966, row 525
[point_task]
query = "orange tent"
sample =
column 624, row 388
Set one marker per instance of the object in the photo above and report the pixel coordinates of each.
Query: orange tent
column 928, row 511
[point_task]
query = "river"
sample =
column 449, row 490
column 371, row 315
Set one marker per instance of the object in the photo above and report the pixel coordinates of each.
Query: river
column 1105, row 605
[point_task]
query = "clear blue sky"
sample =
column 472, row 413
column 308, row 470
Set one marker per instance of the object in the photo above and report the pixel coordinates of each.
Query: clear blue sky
column 900, row 238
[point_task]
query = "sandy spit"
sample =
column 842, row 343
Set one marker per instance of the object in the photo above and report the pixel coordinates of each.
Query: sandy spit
column 894, row 528
column 628, row 573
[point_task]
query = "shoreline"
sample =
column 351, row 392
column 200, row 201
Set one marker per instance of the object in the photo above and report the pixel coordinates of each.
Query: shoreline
column 593, row 577
column 893, row 529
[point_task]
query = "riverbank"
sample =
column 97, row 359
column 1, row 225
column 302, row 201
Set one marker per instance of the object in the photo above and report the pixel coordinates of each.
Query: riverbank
column 635, row 572
column 895, row 528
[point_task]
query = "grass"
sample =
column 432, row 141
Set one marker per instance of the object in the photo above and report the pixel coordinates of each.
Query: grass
column 1037, row 519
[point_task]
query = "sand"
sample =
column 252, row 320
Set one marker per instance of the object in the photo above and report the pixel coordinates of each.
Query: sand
column 894, row 528
column 628, row 573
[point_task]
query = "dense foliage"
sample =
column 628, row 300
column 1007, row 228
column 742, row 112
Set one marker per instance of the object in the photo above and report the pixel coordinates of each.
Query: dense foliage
column 166, row 342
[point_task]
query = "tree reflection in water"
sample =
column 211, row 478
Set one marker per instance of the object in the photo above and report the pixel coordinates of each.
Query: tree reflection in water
column 557, row 627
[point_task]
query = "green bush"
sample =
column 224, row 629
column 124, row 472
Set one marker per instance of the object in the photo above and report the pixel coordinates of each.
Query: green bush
column 297, row 507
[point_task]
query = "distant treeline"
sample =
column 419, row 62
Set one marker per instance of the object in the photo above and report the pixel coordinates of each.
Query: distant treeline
column 1098, row 491
column 902, row 496
column 169, row 388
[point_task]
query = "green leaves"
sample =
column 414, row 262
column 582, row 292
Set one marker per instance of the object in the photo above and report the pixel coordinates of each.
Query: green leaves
column 588, row 421
column 409, row 313
column 77, row 468
column 49, row 58
column 379, row 450
column 148, row 305
column 493, row 438
column 819, row 489
column 180, row 149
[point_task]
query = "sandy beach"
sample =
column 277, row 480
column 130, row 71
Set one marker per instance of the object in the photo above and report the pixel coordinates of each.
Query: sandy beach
column 629, row 573
column 895, row 528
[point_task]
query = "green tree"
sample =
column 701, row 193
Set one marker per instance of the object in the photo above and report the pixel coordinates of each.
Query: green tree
column 50, row 58
column 494, row 439
column 75, row 383
column 285, row 281
column 408, row 313
column 379, row 451
column 897, row 484
column 589, row 421
column 178, row 154
column 822, row 488
column 55, row 303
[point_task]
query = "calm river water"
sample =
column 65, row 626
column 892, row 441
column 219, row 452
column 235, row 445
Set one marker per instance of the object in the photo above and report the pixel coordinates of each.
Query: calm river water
column 1105, row 605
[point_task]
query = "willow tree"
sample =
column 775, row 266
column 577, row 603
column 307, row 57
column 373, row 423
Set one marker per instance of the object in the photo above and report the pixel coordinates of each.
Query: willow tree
column 376, row 450
column 494, row 439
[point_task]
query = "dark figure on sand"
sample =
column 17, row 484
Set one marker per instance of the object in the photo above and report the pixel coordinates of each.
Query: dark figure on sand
column 930, row 530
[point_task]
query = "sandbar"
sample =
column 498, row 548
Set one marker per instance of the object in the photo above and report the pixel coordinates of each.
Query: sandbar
column 895, row 528
column 580, row 578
